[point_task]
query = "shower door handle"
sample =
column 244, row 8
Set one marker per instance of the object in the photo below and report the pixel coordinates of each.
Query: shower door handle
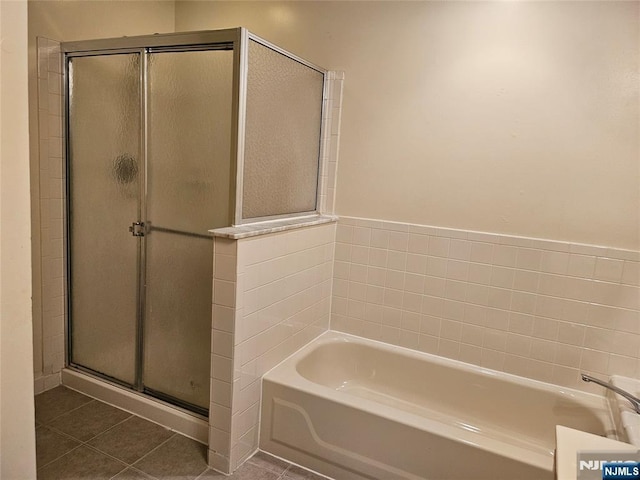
column 137, row 229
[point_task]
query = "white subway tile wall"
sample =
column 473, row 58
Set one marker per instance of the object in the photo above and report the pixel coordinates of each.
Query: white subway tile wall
column 49, row 341
column 332, row 109
column 222, row 332
column 536, row 308
column 271, row 296
column 283, row 302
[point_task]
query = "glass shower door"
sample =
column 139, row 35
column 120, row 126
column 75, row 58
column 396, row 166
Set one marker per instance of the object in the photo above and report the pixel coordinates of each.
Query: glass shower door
column 188, row 193
column 104, row 200
column 140, row 256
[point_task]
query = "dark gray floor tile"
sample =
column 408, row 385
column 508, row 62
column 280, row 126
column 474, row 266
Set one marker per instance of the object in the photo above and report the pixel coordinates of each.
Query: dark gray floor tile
column 211, row 474
column 81, row 464
column 178, row 458
column 89, row 420
column 132, row 439
column 297, row 473
column 132, row 474
column 269, row 462
column 249, row 471
column 51, row 445
column 58, row 401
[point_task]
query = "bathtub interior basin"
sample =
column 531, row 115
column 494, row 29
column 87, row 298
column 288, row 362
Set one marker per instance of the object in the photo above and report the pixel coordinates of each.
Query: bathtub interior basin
column 354, row 408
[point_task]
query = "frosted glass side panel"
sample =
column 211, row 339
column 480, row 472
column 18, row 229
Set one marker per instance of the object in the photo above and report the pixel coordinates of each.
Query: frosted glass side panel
column 104, row 146
column 177, row 337
column 189, row 144
column 282, row 136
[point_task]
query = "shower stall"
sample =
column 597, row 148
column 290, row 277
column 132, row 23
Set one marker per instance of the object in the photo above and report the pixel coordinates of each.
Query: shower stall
column 168, row 137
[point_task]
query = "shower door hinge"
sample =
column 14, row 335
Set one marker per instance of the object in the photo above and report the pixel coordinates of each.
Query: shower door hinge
column 137, row 229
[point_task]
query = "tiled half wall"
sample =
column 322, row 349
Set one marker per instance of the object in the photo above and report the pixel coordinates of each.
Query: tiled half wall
column 271, row 296
column 535, row 308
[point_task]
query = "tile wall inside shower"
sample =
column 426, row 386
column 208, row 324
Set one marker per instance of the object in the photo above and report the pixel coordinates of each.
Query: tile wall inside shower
column 49, row 340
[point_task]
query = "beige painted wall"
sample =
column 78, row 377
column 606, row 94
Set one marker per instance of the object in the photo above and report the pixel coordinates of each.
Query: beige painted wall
column 509, row 117
column 66, row 21
column 17, row 424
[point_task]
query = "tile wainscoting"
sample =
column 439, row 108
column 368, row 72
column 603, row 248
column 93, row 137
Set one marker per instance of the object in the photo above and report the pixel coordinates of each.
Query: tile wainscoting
column 535, row 308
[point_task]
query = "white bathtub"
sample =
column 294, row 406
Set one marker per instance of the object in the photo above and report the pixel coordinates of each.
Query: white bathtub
column 352, row 408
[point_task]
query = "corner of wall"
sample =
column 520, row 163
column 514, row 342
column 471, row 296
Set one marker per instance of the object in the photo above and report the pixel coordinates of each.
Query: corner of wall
column 17, row 435
column 331, row 141
column 222, row 352
column 51, row 205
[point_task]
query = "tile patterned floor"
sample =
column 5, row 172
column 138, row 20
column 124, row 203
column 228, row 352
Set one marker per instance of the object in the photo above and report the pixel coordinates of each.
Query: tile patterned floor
column 80, row 438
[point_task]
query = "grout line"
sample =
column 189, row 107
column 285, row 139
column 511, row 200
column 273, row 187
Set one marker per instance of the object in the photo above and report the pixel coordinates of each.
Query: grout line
column 204, row 472
column 124, row 469
column 131, row 415
column 64, row 434
column 290, row 466
column 67, row 412
column 60, row 432
column 58, row 458
column 93, row 437
column 85, row 443
column 144, row 474
column 95, row 449
column 284, row 474
column 157, row 447
column 91, row 447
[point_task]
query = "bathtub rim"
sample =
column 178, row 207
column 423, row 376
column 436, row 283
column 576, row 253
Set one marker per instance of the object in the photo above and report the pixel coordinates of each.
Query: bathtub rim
column 334, row 336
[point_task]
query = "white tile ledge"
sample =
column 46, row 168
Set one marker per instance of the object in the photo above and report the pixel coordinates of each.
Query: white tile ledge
column 271, row 226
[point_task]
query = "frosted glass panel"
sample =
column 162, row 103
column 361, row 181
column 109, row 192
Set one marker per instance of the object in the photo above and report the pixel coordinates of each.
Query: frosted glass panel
column 177, row 336
column 104, row 129
column 282, row 139
column 188, row 187
column 190, row 96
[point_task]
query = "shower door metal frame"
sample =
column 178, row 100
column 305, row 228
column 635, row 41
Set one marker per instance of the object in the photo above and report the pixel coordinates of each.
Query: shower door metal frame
column 238, row 39
column 141, row 247
column 144, row 46
column 246, row 37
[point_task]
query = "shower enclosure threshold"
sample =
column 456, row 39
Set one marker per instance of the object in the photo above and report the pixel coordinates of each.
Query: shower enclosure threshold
column 187, row 423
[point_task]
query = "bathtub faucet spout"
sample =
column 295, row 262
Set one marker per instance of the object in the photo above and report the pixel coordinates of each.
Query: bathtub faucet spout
column 634, row 400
